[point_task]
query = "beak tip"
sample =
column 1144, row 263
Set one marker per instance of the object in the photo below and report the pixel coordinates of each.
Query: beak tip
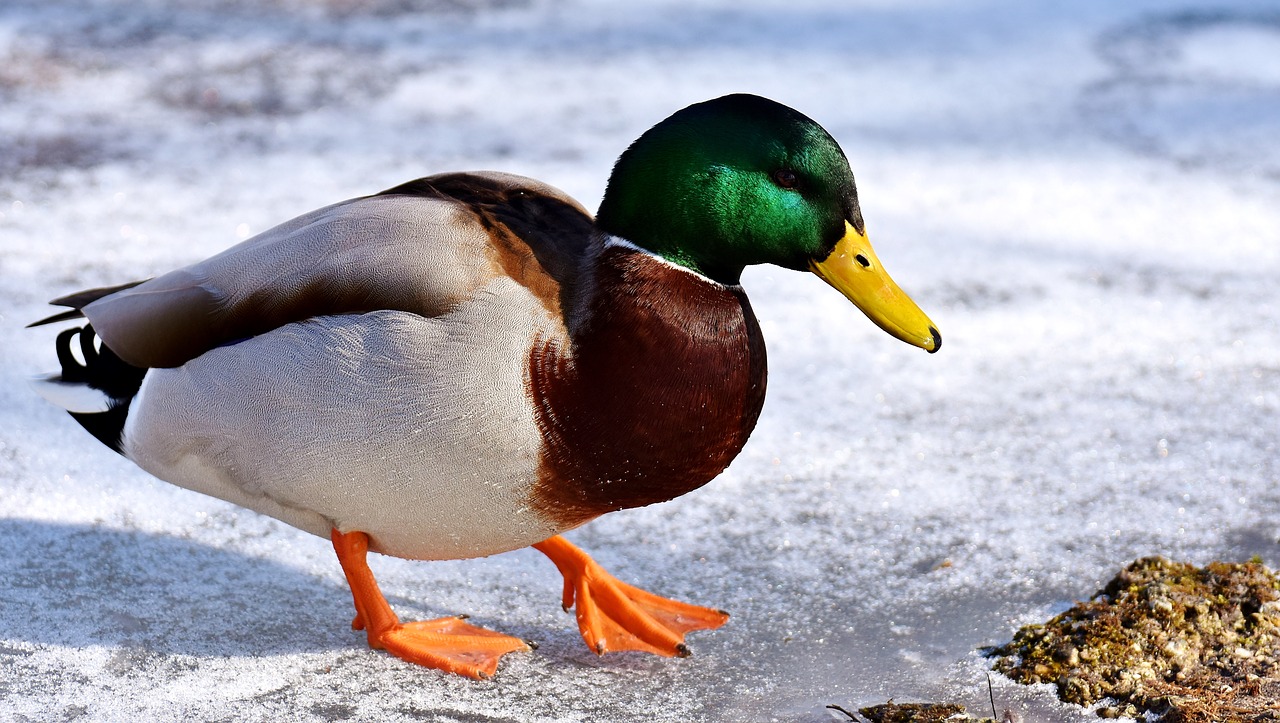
column 937, row 341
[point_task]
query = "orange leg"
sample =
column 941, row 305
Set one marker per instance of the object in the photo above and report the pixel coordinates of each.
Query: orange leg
column 613, row 615
column 448, row 644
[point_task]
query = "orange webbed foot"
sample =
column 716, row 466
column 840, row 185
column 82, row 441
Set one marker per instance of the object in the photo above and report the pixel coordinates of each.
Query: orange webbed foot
column 614, row 616
column 448, row 644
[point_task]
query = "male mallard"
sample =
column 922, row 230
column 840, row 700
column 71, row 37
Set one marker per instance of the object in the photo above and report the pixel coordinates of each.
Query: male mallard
column 467, row 364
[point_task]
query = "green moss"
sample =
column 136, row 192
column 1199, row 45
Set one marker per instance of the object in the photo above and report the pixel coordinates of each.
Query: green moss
column 1186, row 643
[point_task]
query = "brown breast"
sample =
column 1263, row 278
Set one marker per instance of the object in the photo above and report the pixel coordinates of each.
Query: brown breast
column 657, row 392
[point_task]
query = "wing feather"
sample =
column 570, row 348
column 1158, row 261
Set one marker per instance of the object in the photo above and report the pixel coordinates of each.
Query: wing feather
column 423, row 248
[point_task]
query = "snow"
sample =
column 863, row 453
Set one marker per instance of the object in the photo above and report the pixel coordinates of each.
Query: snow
column 1083, row 196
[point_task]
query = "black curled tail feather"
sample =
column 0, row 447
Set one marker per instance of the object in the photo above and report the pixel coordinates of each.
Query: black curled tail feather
column 105, row 372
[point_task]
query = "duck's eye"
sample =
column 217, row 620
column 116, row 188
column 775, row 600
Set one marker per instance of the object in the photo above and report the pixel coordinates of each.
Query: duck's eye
column 863, row 261
column 786, row 178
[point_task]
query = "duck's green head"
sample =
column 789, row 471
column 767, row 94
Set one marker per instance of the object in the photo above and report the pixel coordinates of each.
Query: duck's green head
column 743, row 180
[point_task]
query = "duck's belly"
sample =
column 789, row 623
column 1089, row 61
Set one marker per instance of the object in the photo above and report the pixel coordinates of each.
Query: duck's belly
column 416, row 431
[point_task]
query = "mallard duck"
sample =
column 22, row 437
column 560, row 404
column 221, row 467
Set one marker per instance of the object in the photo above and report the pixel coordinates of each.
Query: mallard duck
column 468, row 363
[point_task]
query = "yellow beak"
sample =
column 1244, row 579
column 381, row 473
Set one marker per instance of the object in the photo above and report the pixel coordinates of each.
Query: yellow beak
column 855, row 271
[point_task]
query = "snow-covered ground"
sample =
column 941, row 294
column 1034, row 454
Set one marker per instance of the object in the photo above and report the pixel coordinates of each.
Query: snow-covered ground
column 1084, row 196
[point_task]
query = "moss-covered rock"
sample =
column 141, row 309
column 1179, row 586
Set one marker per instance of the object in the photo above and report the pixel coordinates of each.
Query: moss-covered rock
column 1192, row 645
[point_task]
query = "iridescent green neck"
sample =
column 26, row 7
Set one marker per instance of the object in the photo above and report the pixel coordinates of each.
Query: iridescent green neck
column 701, row 188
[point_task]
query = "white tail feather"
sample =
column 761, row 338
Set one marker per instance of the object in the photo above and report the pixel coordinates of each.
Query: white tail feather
column 71, row 396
